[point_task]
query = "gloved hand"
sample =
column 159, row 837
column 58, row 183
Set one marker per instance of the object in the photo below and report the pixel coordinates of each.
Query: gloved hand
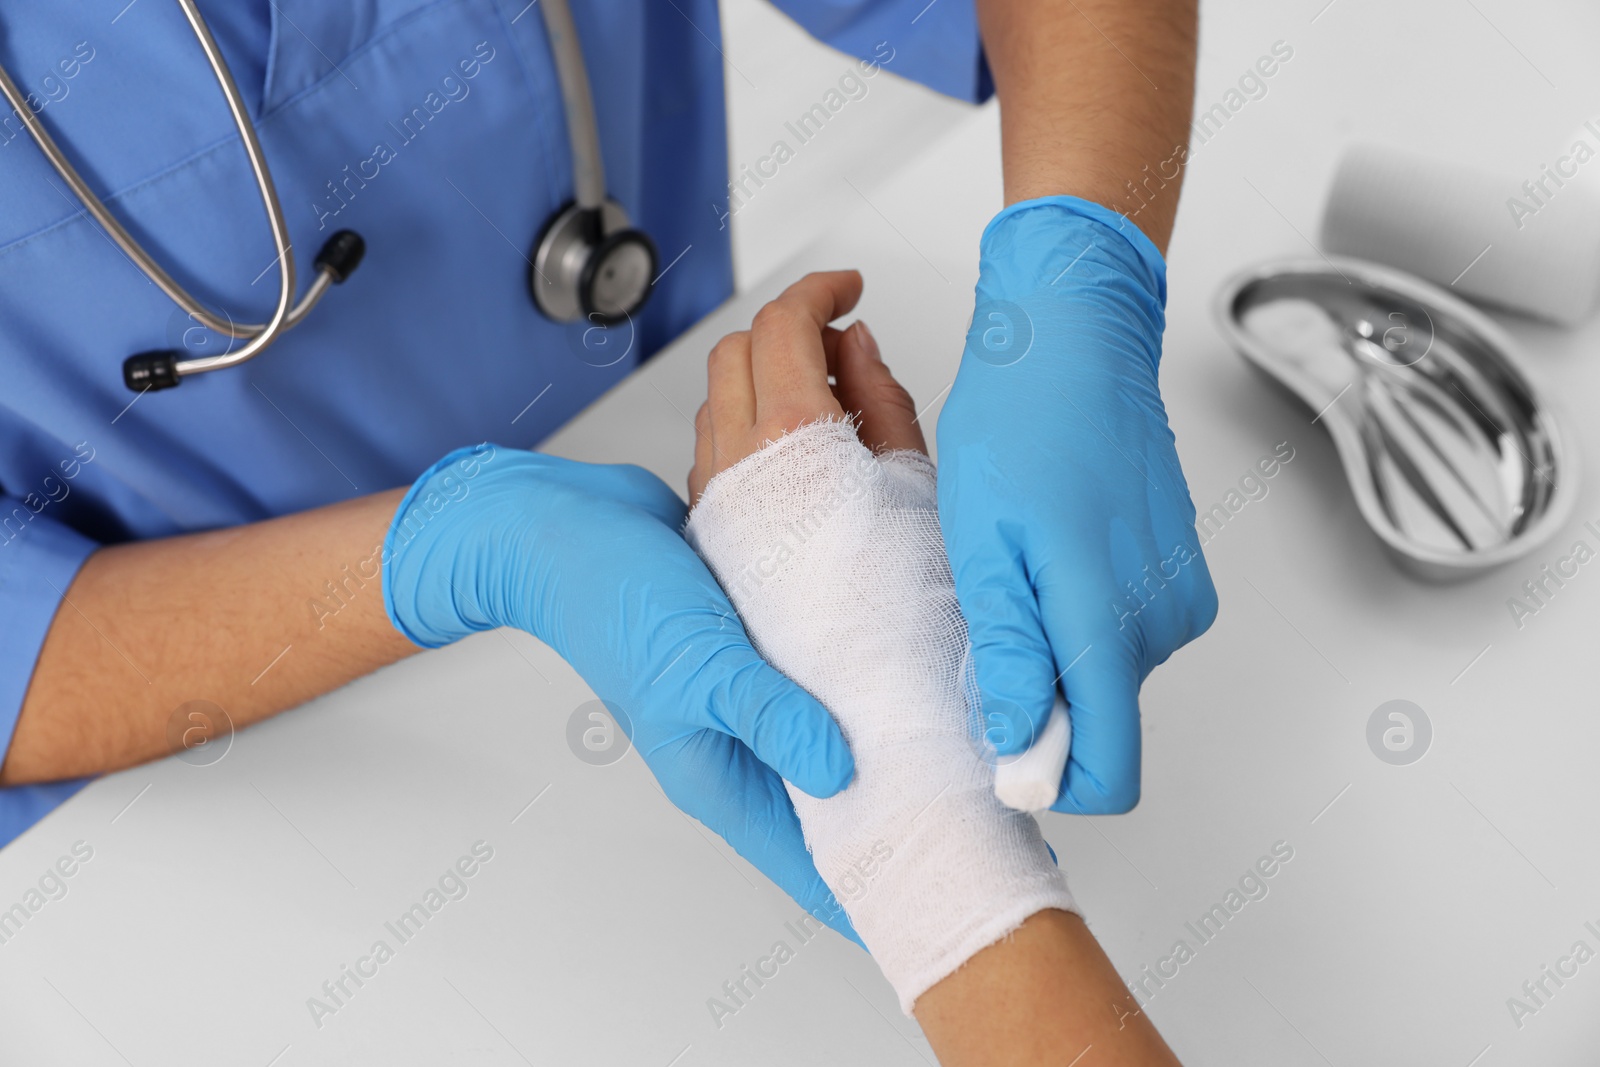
column 1065, row 514
column 588, row 559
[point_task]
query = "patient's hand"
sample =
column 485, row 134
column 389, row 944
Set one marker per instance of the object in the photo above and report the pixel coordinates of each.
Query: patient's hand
column 833, row 559
column 773, row 378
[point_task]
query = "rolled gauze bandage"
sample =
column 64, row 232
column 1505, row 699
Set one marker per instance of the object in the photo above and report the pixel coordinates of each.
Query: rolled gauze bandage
column 1032, row 781
column 1529, row 245
column 834, row 560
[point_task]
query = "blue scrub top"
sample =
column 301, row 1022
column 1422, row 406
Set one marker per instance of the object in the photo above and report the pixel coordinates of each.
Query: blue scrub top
column 432, row 127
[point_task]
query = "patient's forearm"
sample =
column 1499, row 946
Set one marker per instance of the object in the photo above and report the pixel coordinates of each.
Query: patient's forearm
column 832, row 557
column 1045, row 995
column 230, row 617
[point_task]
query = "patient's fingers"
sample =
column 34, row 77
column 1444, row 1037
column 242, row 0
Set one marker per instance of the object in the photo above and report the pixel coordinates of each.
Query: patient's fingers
column 830, row 347
column 772, row 378
column 789, row 361
column 886, row 415
column 701, row 472
column 729, row 389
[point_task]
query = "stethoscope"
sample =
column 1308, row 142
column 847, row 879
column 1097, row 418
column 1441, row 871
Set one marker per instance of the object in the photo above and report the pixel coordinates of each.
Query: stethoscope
column 589, row 263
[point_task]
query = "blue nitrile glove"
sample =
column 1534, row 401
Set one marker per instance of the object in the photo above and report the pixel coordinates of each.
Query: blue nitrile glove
column 588, row 559
column 1065, row 513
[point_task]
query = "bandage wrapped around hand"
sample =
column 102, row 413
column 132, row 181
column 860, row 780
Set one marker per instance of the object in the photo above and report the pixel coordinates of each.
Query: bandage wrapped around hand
column 833, row 558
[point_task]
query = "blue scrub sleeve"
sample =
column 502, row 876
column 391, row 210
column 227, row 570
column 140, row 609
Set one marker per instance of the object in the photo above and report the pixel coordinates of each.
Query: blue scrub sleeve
column 39, row 557
column 935, row 43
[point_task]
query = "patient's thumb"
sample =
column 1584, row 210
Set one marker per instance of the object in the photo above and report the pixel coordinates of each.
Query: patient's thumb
column 886, row 416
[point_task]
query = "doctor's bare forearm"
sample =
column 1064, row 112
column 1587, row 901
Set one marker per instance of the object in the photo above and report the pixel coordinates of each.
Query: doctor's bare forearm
column 254, row 619
column 1095, row 101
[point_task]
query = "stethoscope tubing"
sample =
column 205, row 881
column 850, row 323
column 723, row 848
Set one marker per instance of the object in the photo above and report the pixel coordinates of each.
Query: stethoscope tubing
column 583, row 130
column 285, row 314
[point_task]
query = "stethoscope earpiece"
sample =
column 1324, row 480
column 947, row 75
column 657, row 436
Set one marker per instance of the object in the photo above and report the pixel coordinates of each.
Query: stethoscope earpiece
column 341, row 254
column 149, row 371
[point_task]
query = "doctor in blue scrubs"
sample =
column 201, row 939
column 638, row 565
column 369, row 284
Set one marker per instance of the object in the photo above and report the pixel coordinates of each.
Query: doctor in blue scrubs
column 240, row 540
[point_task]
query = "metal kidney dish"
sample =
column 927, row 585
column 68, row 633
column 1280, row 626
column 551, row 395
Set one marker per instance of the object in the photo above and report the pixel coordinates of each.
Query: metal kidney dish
column 1456, row 460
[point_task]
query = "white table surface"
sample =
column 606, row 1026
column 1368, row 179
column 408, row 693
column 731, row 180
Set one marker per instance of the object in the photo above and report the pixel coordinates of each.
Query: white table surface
column 1419, row 898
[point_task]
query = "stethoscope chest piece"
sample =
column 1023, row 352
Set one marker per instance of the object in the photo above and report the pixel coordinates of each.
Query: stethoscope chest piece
column 591, row 264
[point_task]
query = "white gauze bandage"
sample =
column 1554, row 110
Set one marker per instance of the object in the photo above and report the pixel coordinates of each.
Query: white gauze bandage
column 834, row 560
